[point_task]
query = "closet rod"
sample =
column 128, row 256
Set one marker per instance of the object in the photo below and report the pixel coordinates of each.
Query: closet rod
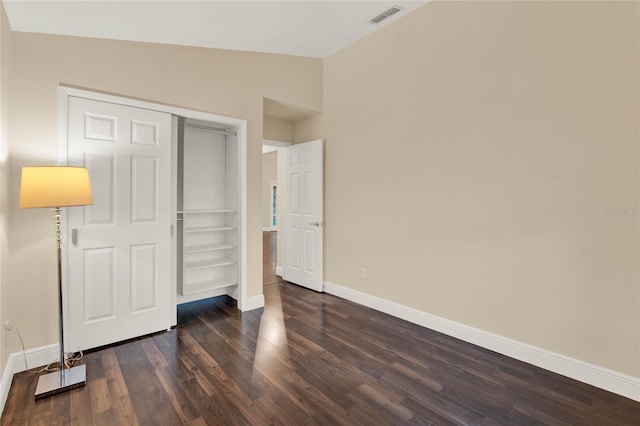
column 212, row 129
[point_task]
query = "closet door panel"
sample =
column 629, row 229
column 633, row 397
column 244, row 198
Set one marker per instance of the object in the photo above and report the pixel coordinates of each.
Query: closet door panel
column 144, row 277
column 99, row 284
column 119, row 266
column 144, row 189
column 102, row 176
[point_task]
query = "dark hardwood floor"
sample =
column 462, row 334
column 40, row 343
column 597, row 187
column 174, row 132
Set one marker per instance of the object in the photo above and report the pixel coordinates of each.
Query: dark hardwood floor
column 310, row 358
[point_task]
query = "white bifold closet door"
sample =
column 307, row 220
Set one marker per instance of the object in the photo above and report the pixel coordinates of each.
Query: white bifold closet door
column 118, row 249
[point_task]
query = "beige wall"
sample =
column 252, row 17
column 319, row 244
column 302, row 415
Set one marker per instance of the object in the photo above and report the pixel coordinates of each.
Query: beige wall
column 473, row 150
column 277, row 130
column 308, row 129
column 269, row 173
column 217, row 81
column 5, row 50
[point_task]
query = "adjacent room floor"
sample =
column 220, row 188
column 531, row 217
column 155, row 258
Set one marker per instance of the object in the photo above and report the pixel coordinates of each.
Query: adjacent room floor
column 310, row 358
column 269, row 241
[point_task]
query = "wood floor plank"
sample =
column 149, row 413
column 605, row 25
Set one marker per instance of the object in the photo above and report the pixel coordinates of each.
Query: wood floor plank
column 80, row 408
column 523, row 413
column 123, row 411
column 149, row 401
column 282, row 409
column 444, row 407
column 382, row 399
column 172, row 387
column 101, row 399
column 193, row 379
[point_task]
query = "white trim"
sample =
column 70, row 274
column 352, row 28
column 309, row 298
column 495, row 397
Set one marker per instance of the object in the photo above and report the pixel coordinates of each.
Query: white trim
column 269, row 145
column 183, row 112
column 280, row 271
column 65, row 92
column 242, row 206
column 591, row 374
column 253, row 302
column 174, row 221
column 5, row 384
column 271, row 142
column 36, row 357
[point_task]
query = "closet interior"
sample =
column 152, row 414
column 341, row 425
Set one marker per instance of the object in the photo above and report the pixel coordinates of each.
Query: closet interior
column 207, row 210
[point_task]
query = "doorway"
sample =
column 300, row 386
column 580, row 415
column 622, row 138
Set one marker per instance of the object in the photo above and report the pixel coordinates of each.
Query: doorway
column 272, row 157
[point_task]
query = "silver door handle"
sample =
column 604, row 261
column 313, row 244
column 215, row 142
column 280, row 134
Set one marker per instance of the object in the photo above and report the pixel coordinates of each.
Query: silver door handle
column 318, row 223
column 74, row 236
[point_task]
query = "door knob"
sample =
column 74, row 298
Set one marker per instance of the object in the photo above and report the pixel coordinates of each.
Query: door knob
column 319, row 223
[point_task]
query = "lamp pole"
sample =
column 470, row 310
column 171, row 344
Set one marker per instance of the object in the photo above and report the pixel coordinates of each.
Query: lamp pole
column 57, row 212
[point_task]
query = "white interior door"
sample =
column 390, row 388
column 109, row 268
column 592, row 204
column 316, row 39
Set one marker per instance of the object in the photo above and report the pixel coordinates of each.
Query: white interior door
column 118, row 249
column 303, row 214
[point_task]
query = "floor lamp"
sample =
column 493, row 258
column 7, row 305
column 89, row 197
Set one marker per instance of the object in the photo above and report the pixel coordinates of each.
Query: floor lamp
column 55, row 187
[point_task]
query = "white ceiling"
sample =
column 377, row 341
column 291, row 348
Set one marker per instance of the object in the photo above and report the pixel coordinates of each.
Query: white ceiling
column 302, row 28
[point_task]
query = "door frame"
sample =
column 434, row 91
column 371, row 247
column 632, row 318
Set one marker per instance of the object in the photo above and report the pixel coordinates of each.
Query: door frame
column 64, row 92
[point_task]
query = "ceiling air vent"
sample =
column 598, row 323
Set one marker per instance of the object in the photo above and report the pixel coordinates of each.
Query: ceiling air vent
column 384, row 15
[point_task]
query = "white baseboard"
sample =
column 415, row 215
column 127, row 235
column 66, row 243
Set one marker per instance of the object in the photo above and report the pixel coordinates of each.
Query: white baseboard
column 279, row 271
column 5, row 384
column 35, row 357
column 594, row 375
column 253, row 302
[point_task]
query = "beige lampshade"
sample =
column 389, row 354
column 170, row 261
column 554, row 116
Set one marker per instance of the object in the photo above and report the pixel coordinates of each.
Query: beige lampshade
column 55, row 186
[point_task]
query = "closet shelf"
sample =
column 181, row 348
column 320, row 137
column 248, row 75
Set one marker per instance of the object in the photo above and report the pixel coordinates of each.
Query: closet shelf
column 199, row 248
column 208, row 263
column 207, row 285
column 206, row 211
column 210, row 228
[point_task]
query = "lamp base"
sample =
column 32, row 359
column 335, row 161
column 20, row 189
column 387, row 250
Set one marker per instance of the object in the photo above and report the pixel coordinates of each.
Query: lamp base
column 49, row 384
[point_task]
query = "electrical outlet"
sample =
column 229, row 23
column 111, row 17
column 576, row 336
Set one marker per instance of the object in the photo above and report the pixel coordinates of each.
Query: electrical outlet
column 363, row 273
column 8, row 326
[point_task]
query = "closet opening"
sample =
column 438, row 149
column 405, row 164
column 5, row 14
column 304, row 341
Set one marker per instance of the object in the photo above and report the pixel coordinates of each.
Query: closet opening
column 272, row 202
column 207, row 210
